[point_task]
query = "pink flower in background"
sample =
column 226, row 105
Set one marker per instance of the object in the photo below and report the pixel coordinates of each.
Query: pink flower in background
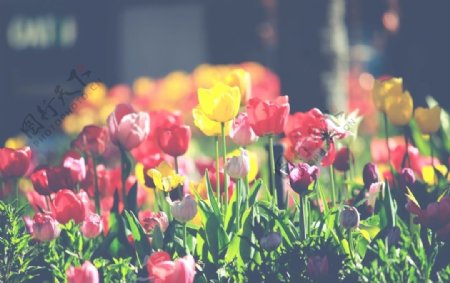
column 150, row 219
column 87, row 273
column 73, row 161
column 241, row 132
column 127, row 127
column 44, row 227
column 162, row 269
column 92, row 226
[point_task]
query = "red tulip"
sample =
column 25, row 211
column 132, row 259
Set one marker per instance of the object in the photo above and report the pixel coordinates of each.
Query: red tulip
column 174, row 141
column 47, row 180
column 92, row 226
column 44, row 227
column 92, row 140
column 163, row 270
column 14, row 162
column 127, row 127
column 268, row 117
column 301, row 176
column 150, row 219
column 68, row 206
column 344, row 158
column 87, row 273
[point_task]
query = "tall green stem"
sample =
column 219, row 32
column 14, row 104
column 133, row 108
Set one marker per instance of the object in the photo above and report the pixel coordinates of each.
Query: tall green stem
column 272, row 171
column 180, row 188
column 97, row 193
column 238, row 204
column 303, row 212
column 217, row 170
column 333, row 187
column 185, row 238
column 350, row 245
column 224, row 156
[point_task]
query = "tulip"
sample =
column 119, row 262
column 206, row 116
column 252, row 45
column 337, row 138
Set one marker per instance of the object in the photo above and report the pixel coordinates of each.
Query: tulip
column 399, row 108
column 164, row 178
column 47, row 180
column 207, row 126
column 428, row 120
column 343, row 158
column 184, row 210
column 241, row 132
column 237, row 167
column 92, row 226
column 87, row 273
column 270, row 241
column 149, row 220
column 349, row 218
column 301, row 176
column 384, row 89
column 268, row 117
column 174, row 141
column 75, row 163
column 370, row 174
column 241, row 79
column 92, row 140
column 68, row 206
column 44, row 227
column 162, row 269
column 219, row 103
column 407, row 177
column 127, row 127
column 317, row 267
column 14, row 163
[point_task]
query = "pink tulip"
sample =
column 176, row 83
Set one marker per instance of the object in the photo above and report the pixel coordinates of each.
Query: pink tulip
column 163, row 270
column 44, row 227
column 127, row 127
column 241, row 132
column 92, row 226
column 184, row 210
column 238, row 166
column 75, row 163
column 87, row 273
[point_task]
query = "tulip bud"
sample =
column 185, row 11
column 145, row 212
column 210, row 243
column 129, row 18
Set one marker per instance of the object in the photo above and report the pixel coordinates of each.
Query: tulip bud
column 349, row 218
column 317, row 267
column 241, row 132
column 45, row 228
column 92, row 226
column 87, row 273
column 238, row 166
column 407, row 177
column 428, row 120
column 301, row 176
column 370, row 174
column 184, row 210
column 343, row 158
column 270, row 241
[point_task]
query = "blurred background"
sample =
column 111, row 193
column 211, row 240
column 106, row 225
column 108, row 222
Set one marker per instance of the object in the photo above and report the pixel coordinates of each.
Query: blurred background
column 326, row 53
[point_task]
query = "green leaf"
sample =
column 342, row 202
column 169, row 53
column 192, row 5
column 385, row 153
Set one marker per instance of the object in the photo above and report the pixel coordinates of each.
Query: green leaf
column 132, row 199
column 211, row 197
column 157, row 238
column 254, row 192
column 125, row 163
column 141, row 240
column 216, row 236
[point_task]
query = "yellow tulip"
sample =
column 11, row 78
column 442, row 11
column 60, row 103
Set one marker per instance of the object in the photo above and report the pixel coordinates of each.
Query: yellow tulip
column 241, row 79
column 428, row 120
column 399, row 108
column 384, row 89
column 429, row 175
column 207, row 126
column 220, row 103
column 95, row 93
column 165, row 178
column 253, row 158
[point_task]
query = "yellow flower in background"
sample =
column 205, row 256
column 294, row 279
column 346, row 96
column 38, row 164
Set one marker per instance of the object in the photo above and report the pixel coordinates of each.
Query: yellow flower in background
column 253, row 158
column 429, row 176
column 220, row 103
column 428, row 120
column 143, row 86
column 165, row 178
column 16, row 142
column 95, row 93
column 207, row 126
column 399, row 108
column 384, row 89
column 241, row 79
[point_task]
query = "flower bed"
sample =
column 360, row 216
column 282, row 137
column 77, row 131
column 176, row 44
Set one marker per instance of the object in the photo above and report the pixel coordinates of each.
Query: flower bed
column 207, row 177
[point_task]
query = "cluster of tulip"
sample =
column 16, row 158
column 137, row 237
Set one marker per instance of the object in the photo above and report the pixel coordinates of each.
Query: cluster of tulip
column 95, row 181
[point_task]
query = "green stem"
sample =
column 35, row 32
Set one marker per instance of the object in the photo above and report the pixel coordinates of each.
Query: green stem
column 185, row 239
column 432, row 160
column 303, row 218
column 180, row 188
column 333, row 187
column 216, row 138
column 272, row 171
column 16, row 188
column 238, row 204
column 224, row 156
column 247, row 189
column 97, row 193
column 350, row 245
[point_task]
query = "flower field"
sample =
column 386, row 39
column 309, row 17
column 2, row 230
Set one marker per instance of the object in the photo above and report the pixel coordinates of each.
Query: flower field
column 210, row 177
